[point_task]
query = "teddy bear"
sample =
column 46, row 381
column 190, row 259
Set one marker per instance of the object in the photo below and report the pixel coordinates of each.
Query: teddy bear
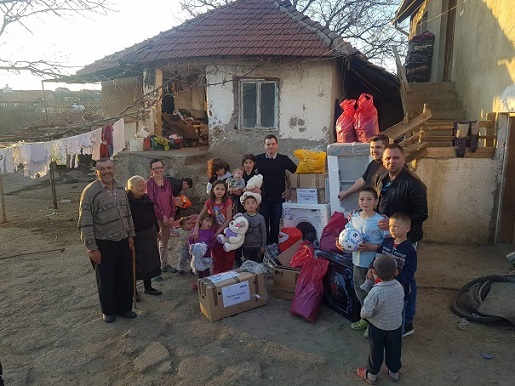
column 254, row 182
column 234, row 235
column 200, row 262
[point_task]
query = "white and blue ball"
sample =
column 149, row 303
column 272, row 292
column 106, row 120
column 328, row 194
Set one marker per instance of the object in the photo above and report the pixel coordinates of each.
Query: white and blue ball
column 350, row 239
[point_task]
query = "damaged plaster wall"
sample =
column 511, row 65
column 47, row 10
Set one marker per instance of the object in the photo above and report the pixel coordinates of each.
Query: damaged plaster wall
column 461, row 197
column 306, row 106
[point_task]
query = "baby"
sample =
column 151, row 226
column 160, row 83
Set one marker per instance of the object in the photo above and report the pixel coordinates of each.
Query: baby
column 236, row 181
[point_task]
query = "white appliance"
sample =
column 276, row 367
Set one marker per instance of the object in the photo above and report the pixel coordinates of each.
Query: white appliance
column 306, row 216
column 346, row 163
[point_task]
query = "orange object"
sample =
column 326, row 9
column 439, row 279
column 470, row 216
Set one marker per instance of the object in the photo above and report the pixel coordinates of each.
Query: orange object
column 185, row 201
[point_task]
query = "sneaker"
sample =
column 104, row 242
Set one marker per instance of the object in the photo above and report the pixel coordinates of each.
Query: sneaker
column 408, row 330
column 359, row 325
column 365, row 334
column 169, row 268
column 157, row 278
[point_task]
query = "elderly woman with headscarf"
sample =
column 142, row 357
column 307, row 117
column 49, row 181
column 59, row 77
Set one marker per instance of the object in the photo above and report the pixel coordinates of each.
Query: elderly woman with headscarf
column 146, row 226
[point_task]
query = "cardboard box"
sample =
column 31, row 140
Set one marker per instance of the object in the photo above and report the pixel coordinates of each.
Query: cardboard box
column 285, row 281
column 308, row 181
column 230, row 293
column 285, row 278
column 308, row 196
column 285, row 257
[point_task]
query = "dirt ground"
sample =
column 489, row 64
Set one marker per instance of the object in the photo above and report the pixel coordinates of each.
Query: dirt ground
column 51, row 332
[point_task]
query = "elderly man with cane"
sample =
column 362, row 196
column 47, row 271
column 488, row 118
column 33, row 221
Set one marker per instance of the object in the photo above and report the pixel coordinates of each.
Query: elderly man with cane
column 106, row 229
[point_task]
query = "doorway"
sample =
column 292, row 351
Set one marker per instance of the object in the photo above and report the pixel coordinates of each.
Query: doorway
column 449, row 39
column 507, row 221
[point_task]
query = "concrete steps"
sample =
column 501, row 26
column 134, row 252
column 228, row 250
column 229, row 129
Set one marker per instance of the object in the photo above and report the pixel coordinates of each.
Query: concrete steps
column 440, row 97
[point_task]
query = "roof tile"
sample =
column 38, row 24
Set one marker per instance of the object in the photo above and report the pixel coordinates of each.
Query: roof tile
column 244, row 27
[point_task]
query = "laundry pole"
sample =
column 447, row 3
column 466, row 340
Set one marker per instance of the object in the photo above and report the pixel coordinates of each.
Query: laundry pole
column 3, row 218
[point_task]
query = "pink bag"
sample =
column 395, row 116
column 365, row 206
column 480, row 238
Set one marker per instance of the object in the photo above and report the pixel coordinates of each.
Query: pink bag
column 331, row 231
column 367, row 125
column 310, row 290
column 345, row 132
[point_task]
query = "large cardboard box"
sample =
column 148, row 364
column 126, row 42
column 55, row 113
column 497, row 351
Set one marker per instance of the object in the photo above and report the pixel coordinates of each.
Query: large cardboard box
column 285, row 278
column 230, row 293
column 285, row 281
column 308, row 181
column 308, row 196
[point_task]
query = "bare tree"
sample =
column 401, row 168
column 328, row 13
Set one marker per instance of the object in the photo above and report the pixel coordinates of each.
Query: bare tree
column 25, row 13
column 366, row 24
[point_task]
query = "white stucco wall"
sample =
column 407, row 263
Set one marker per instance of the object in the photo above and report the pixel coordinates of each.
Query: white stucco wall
column 484, row 53
column 306, row 92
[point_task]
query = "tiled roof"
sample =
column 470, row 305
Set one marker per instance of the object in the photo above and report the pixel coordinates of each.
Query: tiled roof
column 242, row 28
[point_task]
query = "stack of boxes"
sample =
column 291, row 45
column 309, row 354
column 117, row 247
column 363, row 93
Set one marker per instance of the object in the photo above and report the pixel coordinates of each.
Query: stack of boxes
column 309, row 188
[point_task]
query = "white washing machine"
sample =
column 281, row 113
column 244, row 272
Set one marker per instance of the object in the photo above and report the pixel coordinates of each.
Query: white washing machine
column 306, row 217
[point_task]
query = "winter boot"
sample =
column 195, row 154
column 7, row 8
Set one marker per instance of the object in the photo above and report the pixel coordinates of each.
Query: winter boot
column 474, row 135
column 460, row 133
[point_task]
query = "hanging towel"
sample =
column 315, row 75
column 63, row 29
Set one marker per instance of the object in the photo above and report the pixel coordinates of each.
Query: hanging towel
column 118, row 136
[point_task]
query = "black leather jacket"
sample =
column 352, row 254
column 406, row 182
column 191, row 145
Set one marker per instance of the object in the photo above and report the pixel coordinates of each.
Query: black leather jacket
column 406, row 194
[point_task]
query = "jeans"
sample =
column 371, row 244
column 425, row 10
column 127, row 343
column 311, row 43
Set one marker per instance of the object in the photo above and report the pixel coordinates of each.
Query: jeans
column 411, row 300
column 272, row 212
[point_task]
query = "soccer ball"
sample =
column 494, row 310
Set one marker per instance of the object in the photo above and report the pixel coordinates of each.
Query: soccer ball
column 349, row 239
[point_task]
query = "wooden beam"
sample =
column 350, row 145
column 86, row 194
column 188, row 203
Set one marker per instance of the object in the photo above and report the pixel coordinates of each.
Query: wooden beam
column 416, row 155
column 398, row 130
column 449, row 152
column 490, row 130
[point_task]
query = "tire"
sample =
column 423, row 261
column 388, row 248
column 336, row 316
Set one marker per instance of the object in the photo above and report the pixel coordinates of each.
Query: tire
column 481, row 285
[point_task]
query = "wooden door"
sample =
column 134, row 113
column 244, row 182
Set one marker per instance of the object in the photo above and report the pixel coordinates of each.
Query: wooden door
column 449, row 39
column 507, row 222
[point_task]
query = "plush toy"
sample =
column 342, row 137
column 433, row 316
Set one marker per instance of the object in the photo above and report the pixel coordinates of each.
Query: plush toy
column 199, row 262
column 254, row 182
column 234, row 234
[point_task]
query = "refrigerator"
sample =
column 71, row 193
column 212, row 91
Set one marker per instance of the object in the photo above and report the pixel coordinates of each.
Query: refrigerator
column 346, row 163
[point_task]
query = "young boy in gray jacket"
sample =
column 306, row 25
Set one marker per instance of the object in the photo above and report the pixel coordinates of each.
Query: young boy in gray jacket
column 255, row 238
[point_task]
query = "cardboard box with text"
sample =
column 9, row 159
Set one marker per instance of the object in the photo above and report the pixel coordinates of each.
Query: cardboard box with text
column 285, row 278
column 230, row 293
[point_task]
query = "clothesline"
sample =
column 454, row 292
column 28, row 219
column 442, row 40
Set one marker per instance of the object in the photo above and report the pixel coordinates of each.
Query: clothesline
column 35, row 157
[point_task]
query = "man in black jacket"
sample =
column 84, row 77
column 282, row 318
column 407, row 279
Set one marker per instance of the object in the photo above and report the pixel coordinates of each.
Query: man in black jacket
column 272, row 166
column 400, row 190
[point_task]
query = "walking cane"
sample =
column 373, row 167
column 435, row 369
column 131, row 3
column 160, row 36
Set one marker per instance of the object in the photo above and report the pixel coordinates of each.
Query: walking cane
column 134, row 293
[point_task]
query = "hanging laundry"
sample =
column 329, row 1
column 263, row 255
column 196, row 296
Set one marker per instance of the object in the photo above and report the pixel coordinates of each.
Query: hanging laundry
column 97, row 140
column 35, row 158
column 6, row 160
column 107, row 138
column 58, row 152
column 118, row 136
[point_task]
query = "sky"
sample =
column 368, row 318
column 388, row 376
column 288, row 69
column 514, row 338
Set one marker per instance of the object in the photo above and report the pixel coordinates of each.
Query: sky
column 76, row 40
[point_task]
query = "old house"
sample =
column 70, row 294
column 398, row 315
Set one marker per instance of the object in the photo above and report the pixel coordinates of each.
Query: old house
column 249, row 68
column 471, row 77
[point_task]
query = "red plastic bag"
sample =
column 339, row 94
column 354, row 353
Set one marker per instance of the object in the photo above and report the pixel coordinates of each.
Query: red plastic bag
column 305, row 253
column 331, row 231
column 288, row 236
column 310, row 290
column 367, row 124
column 345, row 132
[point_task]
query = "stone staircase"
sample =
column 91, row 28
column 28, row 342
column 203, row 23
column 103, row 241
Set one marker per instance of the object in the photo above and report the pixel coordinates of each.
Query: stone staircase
column 441, row 97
